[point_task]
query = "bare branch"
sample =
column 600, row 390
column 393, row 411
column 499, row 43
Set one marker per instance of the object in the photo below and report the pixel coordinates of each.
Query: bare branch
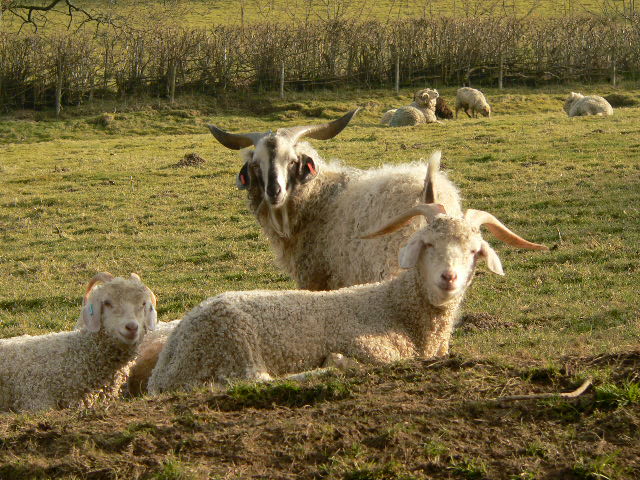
column 538, row 396
column 36, row 15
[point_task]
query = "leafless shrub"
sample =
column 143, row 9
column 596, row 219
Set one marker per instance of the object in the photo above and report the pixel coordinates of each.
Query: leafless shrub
column 41, row 70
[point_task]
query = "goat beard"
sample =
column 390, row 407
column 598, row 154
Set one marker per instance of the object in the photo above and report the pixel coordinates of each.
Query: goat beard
column 280, row 226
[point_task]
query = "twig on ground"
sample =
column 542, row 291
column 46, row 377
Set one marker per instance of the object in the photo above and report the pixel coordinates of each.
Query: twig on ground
column 536, row 396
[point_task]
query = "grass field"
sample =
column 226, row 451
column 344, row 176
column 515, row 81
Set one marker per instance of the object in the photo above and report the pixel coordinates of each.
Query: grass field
column 205, row 13
column 99, row 190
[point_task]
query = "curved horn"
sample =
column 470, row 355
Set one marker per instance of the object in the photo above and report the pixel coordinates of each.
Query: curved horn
column 324, row 131
column 479, row 217
column 102, row 277
column 428, row 192
column 235, row 141
column 154, row 299
column 428, row 210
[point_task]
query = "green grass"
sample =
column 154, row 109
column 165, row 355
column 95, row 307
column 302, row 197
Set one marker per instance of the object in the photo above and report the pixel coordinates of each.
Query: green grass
column 76, row 198
column 173, row 469
column 610, row 395
column 285, row 393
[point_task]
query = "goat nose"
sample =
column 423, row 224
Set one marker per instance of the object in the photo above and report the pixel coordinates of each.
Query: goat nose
column 273, row 189
column 449, row 277
column 131, row 327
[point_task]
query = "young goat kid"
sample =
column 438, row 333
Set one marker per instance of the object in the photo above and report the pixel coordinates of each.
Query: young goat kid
column 259, row 334
column 67, row 369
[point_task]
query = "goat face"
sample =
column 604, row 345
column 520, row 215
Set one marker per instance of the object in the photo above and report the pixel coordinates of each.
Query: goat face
column 445, row 254
column 123, row 308
column 281, row 168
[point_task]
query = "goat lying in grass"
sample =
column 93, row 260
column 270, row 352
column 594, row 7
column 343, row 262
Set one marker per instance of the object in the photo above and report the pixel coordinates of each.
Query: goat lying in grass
column 255, row 335
column 76, row 368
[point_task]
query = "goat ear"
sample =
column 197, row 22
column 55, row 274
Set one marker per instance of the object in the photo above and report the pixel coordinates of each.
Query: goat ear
column 91, row 317
column 409, row 254
column 493, row 261
column 307, row 168
column 242, row 180
column 152, row 317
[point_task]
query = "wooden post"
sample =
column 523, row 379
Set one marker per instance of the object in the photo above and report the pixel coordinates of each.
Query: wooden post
column 501, row 73
column 171, row 86
column 59, row 89
column 397, row 73
column 282, row 80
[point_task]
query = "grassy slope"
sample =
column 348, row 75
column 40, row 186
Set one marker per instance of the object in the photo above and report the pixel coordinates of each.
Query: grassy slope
column 76, row 198
column 204, row 13
column 85, row 198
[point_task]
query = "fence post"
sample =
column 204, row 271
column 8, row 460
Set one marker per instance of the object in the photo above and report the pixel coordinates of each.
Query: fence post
column 59, row 89
column 282, row 80
column 501, row 73
column 172, row 81
column 613, row 71
column 398, row 73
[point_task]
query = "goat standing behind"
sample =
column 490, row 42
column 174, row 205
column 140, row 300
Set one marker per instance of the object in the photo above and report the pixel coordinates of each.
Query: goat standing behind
column 312, row 211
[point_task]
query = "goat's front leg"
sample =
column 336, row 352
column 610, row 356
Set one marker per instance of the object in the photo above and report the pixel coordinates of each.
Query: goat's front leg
column 334, row 361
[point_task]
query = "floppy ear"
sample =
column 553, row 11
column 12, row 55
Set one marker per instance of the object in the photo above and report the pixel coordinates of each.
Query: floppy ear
column 307, row 168
column 242, row 180
column 408, row 256
column 91, row 316
column 493, row 262
column 152, row 317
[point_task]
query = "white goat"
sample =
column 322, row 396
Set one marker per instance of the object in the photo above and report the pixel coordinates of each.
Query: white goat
column 80, row 367
column 421, row 110
column 312, row 212
column 148, row 353
column 260, row 334
column 470, row 99
column 578, row 105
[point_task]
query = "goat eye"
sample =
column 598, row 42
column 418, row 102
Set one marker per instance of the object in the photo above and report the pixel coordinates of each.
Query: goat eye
column 107, row 303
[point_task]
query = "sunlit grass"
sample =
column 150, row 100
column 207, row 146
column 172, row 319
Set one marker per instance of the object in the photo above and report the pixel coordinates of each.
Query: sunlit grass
column 77, row 197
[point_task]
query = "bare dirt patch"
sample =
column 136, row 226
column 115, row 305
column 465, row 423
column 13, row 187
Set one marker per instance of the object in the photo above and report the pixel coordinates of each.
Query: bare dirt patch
column 414, row 420
column 190, row 160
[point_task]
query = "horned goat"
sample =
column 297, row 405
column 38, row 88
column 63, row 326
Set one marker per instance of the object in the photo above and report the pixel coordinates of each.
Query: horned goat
column 258, row 335
column 470, row 99
column 311, row 211
column 578, row 105
column 89, row 364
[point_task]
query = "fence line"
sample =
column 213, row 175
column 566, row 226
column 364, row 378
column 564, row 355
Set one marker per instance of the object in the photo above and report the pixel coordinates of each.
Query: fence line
column 38, row 71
